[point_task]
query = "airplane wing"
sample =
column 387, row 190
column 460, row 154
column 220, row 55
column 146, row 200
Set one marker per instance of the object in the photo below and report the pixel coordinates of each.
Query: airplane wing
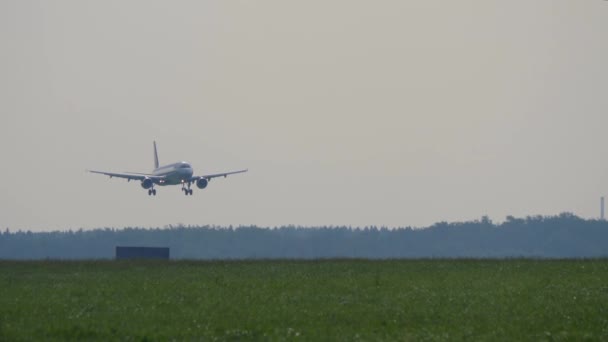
column 128, row 176
column 224, row 174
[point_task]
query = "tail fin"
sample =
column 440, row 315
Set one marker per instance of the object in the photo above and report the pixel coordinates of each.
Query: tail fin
column 155, row 157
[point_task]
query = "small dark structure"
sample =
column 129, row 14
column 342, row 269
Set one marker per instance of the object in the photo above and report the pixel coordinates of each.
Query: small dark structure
column 161, row 253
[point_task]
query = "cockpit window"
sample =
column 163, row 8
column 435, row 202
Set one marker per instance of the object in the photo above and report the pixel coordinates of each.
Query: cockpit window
column 184, row 166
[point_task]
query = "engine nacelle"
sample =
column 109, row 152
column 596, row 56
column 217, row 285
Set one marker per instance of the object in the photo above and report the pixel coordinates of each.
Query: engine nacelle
column 146, row 183
column 202, row 183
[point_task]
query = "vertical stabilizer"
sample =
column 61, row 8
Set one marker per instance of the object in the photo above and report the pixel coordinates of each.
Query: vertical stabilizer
column 155, row 157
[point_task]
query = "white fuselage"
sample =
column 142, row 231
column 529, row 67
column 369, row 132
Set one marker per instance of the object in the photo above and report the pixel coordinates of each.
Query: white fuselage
column 176, row 173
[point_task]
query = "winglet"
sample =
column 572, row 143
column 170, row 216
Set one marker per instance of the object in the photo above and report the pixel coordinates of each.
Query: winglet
column 155, row 157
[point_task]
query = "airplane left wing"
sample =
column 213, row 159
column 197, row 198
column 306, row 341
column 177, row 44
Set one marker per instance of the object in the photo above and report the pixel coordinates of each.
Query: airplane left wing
column 214, row 175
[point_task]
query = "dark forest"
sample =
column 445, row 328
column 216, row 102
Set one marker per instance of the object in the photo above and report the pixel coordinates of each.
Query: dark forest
column 562, row 236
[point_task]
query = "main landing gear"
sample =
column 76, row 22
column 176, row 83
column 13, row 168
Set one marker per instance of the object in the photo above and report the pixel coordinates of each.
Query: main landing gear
column 187, row 191
column 151, row 192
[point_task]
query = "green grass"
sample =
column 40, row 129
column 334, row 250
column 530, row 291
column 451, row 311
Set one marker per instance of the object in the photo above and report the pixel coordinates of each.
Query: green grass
column 304, row 300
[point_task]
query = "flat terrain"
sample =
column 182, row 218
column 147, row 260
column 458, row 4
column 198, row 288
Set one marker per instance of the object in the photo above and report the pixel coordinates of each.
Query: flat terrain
column 304, row 300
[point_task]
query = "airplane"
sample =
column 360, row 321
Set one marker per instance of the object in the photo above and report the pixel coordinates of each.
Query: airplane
column 172, row 174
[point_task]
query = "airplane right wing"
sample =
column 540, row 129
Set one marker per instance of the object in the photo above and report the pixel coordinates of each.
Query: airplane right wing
column 129, row 176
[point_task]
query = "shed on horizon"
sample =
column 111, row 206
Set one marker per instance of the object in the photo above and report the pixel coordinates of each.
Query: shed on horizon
column 128, row 252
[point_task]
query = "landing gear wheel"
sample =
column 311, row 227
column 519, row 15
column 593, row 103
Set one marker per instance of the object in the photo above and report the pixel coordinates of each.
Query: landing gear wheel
column 190, row 192
column 154, row 192
column 149, row 192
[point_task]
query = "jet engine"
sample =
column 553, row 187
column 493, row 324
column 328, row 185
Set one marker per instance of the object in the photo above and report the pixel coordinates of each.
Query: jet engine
column 202, row 183
column 146, row 183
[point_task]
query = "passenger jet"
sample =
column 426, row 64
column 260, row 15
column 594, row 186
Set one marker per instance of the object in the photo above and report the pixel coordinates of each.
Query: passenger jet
column 172, row 174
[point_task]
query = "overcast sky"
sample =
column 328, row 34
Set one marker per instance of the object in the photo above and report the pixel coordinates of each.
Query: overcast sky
column 394, row 113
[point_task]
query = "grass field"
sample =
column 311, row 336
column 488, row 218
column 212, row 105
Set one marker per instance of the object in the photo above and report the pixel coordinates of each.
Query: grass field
column 304, row 300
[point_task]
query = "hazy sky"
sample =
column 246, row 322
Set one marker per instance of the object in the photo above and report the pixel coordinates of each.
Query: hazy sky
column 396, row 113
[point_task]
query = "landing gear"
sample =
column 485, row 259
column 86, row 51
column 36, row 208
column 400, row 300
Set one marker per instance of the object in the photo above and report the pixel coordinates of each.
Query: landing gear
column 151, row 192
column 187, row 191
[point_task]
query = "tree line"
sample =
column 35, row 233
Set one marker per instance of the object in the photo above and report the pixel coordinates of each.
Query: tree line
column 562, row 236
